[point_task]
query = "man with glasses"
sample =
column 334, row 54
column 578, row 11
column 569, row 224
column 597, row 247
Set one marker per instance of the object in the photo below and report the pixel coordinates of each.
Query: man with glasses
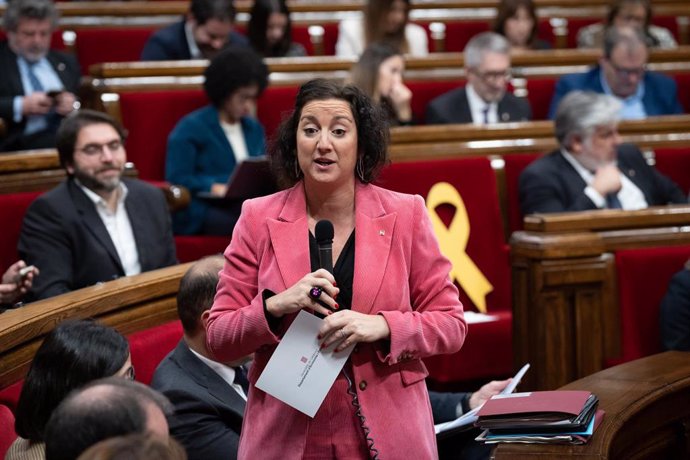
column 96, row 225
column 37, row 84
column 622, row 73
column 485, row 99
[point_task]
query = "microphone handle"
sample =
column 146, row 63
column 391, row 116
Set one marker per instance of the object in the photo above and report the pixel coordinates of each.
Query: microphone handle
column 326, row 257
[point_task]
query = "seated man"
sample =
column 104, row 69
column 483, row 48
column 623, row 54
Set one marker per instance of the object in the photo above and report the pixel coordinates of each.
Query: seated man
column 37, row 85
column 674, row 314
column 209, row 397
column 622, row 73
column 205, row 30
column 95, row 226
column 485, row 99
column 104, row 409
column 592, row 169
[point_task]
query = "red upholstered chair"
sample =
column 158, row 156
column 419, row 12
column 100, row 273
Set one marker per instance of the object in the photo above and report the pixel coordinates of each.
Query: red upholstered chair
column 643, row 277
column 539, row 94
column 110, row 44
column 274, row 104
column 424, row 91
column 149, row 117
column 9, row 396
column 487, row 351
column 513, row 166
column 149, row 347
column 675, row 163
column 7, row 433
column 13, row 208
column 191, row 248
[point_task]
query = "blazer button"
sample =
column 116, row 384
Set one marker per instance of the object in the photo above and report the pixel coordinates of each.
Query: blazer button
column 363, row 385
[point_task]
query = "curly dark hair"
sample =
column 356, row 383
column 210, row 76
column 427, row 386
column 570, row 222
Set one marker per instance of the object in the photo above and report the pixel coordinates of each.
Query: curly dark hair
column 230, row 70
column 372, row 131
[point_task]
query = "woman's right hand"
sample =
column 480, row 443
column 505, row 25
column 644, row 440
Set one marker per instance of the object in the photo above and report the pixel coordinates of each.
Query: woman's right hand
column 298, row 296
column 401, row 97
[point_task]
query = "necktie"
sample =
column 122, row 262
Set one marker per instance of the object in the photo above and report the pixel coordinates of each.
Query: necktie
column 241, row 379
column 612, row 201
column 33, row 79
column 486, row 115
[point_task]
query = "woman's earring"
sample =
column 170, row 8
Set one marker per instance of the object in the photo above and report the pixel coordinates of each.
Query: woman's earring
column 359, row 170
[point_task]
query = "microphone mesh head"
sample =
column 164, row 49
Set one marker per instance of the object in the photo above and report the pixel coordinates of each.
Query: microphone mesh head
column 324, row 231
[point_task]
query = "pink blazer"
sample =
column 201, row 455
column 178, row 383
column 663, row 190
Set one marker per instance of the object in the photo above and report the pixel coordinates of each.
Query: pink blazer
column 399, row 273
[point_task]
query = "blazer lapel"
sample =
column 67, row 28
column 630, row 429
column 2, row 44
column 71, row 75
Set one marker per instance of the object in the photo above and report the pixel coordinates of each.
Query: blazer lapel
column 289, row 237
column 137, row 219
column 93, row 222
column 373, row 238
column 60, row 68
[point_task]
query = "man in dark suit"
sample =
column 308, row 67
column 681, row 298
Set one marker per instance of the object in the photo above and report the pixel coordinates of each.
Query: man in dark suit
column 592, row 169
column 485, row 99
column 208, row 396
column 622, row 74
column 95, row 226
column 674, row 314
column 205, row 30
column 37, row 85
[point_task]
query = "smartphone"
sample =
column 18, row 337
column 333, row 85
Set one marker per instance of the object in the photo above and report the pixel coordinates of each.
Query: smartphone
column 53, row 95
column 24, row 272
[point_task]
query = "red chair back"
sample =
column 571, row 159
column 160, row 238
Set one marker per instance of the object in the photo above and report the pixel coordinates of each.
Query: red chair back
column 149, row 117
column 110, row 44
column 274, row 104
column 513, row 167
column 13, row 207
column 675, row 163
column 192, row 248
column 9, row 396
column 150, row 346
column 424, row 92
column 7, row 433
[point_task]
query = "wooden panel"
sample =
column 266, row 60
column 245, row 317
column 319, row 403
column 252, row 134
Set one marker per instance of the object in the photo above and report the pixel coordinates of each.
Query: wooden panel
column 647, row 413
column 129, row 304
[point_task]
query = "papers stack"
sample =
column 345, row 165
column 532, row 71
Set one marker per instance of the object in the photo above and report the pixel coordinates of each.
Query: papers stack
column 560, row 417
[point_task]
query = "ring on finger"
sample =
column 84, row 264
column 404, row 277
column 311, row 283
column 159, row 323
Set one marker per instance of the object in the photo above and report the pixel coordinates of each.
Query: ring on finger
column 315, row 292
column 341, row 334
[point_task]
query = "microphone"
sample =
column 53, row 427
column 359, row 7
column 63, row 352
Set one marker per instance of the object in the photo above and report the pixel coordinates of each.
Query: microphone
column 324, row 239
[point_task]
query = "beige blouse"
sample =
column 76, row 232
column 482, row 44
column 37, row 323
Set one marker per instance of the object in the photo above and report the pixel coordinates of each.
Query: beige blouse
column 23, row 449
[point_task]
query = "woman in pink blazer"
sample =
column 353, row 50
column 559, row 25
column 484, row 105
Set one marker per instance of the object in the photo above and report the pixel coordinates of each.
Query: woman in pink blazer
column 390, row 294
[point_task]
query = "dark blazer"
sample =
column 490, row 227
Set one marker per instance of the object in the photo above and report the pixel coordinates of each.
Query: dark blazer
column 67, row 69
column 64, row 237
column 674, row 314
column 551, row 184
column 453, row 107
column 208, row 412
column 660, row 93
column 200, row 155
column 170, row 44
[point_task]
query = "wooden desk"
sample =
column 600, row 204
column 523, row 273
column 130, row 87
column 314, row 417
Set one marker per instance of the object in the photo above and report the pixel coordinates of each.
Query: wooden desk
column 129, row 304
column 647, row 404
column 565, row 305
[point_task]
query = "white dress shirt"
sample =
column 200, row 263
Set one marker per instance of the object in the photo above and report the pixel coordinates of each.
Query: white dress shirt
column 630, row 196
column 227, row 373
column 478, row 106
column 235, row 135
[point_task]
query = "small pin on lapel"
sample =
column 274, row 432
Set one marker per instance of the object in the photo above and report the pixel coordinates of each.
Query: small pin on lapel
column 61, row 67
column 505, row 116
column 631, row 172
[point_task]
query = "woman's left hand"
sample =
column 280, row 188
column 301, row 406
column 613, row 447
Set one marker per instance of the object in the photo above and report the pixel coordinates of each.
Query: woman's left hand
column 350, row 327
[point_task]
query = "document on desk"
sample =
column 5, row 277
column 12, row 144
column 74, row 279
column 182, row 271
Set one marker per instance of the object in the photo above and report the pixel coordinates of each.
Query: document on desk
column 300, row 373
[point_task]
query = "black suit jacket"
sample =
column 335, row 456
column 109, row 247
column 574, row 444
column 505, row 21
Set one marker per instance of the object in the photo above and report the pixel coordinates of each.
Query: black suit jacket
column 208, row 412
column 63, row 235
column 551, row 184
column 170, row 44
column 674, row 314
column 453, row 107
column 67, row 69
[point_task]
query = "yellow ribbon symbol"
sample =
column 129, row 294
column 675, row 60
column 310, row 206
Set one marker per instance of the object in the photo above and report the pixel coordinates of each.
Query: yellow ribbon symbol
column 453, row 242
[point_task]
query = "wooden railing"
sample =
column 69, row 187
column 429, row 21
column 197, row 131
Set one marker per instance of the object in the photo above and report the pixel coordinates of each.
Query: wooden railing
column 565, row 305
column 129, row 304
column 647, row 413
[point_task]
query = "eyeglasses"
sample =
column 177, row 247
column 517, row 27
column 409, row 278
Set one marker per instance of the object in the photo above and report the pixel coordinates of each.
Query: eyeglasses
column 622, row 72
column 130, row 374
column 99, row 149
column 494, row 76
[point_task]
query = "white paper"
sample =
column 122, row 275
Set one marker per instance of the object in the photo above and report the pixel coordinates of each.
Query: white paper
column 300, row 373
column 471, row 416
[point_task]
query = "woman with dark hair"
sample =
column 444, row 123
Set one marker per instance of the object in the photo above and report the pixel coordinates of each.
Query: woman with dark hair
column 270, row 30
column 388, row 301
column 207, row 144
column 634, row 13
column 383, row 21
column 517, row 21
column 379, row 74
column 73, row 354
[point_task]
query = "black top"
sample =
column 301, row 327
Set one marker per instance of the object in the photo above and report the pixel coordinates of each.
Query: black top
column 344, row 268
